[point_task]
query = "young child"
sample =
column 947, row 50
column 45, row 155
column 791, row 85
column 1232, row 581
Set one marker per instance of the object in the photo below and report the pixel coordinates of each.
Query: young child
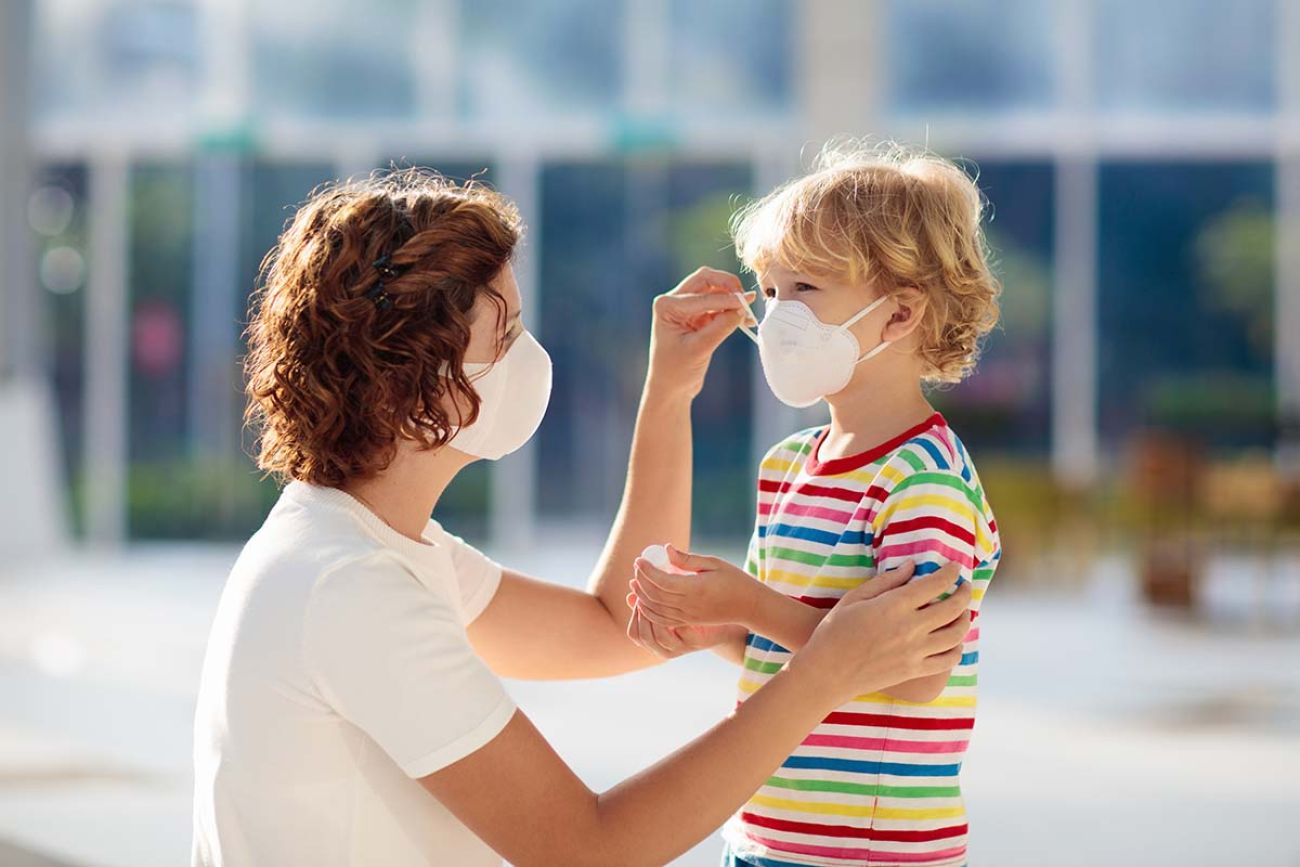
column 877, row 283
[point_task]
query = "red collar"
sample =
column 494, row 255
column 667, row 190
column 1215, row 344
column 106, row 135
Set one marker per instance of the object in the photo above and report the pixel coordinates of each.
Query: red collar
column 835, row 466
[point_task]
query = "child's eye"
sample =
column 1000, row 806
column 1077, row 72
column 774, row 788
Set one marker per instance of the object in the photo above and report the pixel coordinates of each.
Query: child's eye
column 769, row 292
column 804, row 287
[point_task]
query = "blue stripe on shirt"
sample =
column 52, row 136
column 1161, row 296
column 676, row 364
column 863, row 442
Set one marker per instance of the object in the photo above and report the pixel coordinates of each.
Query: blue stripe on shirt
column 897, row 769
column 939, row 460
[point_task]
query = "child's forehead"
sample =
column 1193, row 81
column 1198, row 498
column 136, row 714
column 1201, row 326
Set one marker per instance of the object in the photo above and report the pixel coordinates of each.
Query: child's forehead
column 789, row 273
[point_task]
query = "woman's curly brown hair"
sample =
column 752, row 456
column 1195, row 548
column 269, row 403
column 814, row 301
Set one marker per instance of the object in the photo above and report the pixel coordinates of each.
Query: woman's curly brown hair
column 336, row 376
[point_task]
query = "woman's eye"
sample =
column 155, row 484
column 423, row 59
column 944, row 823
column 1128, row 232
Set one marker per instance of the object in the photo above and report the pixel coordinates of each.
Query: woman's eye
column 512, row 333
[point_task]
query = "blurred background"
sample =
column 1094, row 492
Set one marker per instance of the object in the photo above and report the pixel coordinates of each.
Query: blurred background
column 1136, row 417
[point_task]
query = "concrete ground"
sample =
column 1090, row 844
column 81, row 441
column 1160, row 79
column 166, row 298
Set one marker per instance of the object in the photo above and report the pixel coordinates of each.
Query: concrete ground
column 1106, row 735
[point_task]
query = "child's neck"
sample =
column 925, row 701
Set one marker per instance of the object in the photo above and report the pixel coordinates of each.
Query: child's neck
column 869, row 413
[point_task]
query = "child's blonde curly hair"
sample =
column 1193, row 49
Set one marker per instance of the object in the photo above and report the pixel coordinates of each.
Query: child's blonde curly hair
column 894, row 218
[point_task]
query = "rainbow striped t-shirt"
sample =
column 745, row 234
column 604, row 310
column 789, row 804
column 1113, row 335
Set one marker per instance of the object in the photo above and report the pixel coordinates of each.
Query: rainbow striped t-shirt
column 876, row 783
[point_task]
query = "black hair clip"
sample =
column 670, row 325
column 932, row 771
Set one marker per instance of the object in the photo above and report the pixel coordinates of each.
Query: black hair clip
column 377, row 292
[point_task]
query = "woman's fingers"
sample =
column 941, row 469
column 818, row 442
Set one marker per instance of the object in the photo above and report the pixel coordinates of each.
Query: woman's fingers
column 947, row 637
column 944, row 611
column 711, row 331
column 698, row 305
column 705, row 279
column 881, row 583
column 924, row 590
column 940, row 662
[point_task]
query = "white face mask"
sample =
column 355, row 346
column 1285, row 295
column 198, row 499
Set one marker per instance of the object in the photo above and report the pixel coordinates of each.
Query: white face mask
column 513, row 394
column 805, row 359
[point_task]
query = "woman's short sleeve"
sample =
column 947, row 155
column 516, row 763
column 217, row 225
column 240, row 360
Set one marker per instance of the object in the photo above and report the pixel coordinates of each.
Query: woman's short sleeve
column 478, row 575
column 391, row 656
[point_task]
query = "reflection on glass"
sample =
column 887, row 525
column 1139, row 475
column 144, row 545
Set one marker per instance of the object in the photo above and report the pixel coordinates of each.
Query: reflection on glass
column 332, row 59
column 1185, row 253
column 713, row 71
column 978, row 55
column 65, row 312
column 1179, row 55
column 615, row 235
column 99, row 59
column 161, row 268
column 540, row 57
column 1005, row 406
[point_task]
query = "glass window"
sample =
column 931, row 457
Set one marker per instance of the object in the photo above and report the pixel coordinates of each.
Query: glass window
column 975, row 56
column 57, row 214
column 614, row 235
column 161, row 280
column 331, row 58
column 1180, row 55
column 1004, row 406
column 540, row 57
column 110, row 58
column 713, row 71
column 701, row 199
column 1185, row 278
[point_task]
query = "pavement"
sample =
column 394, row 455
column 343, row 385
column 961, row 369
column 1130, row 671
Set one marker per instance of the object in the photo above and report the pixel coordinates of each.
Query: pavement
column 1107, row 734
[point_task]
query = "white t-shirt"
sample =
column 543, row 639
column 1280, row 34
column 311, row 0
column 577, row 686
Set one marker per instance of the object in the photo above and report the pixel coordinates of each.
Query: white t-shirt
column 337, row 673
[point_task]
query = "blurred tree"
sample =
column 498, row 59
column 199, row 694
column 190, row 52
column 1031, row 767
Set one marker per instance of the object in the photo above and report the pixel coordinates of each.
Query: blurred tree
column 1235, row 252
column 698, row 235
column 1026, row 289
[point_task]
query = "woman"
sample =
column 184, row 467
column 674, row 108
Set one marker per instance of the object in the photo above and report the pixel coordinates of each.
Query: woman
column 351, row 710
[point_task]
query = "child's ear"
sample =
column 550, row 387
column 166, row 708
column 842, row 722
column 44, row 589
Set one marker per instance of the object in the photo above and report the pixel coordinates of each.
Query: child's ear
column 909, row 306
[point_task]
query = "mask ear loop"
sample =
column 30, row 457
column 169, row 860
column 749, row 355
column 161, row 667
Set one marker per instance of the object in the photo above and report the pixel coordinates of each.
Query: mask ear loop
column 745, row 329
column 852, row 320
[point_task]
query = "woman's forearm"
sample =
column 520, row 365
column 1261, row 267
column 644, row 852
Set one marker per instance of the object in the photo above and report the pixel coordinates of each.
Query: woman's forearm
column 661, row 812
column 790, row 623
column 656, row 506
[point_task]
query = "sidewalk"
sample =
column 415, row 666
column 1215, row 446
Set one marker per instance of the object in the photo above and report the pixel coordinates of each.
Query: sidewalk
column 1105, row 735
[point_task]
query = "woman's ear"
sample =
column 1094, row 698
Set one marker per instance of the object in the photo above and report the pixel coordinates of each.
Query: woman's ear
column 909, row 306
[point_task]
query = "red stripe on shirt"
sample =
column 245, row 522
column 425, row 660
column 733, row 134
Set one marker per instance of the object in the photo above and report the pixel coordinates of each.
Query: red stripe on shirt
column 849, row 718
column 857, row 833
column 928, row 522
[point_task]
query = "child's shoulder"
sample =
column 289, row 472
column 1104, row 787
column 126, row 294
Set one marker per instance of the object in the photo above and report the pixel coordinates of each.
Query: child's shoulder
column 795, row 447
column 934, row 455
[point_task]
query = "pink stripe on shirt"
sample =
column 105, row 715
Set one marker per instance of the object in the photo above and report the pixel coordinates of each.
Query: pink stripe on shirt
column 852, row 743
column 856, row 852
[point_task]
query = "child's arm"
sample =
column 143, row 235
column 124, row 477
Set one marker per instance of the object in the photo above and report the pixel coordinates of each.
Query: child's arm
column 721, row 593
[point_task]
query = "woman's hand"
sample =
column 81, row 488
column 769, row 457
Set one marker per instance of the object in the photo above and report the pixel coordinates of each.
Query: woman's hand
column 690, row 322
column 718, row 593
column 887, row 631
column 671, row 642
